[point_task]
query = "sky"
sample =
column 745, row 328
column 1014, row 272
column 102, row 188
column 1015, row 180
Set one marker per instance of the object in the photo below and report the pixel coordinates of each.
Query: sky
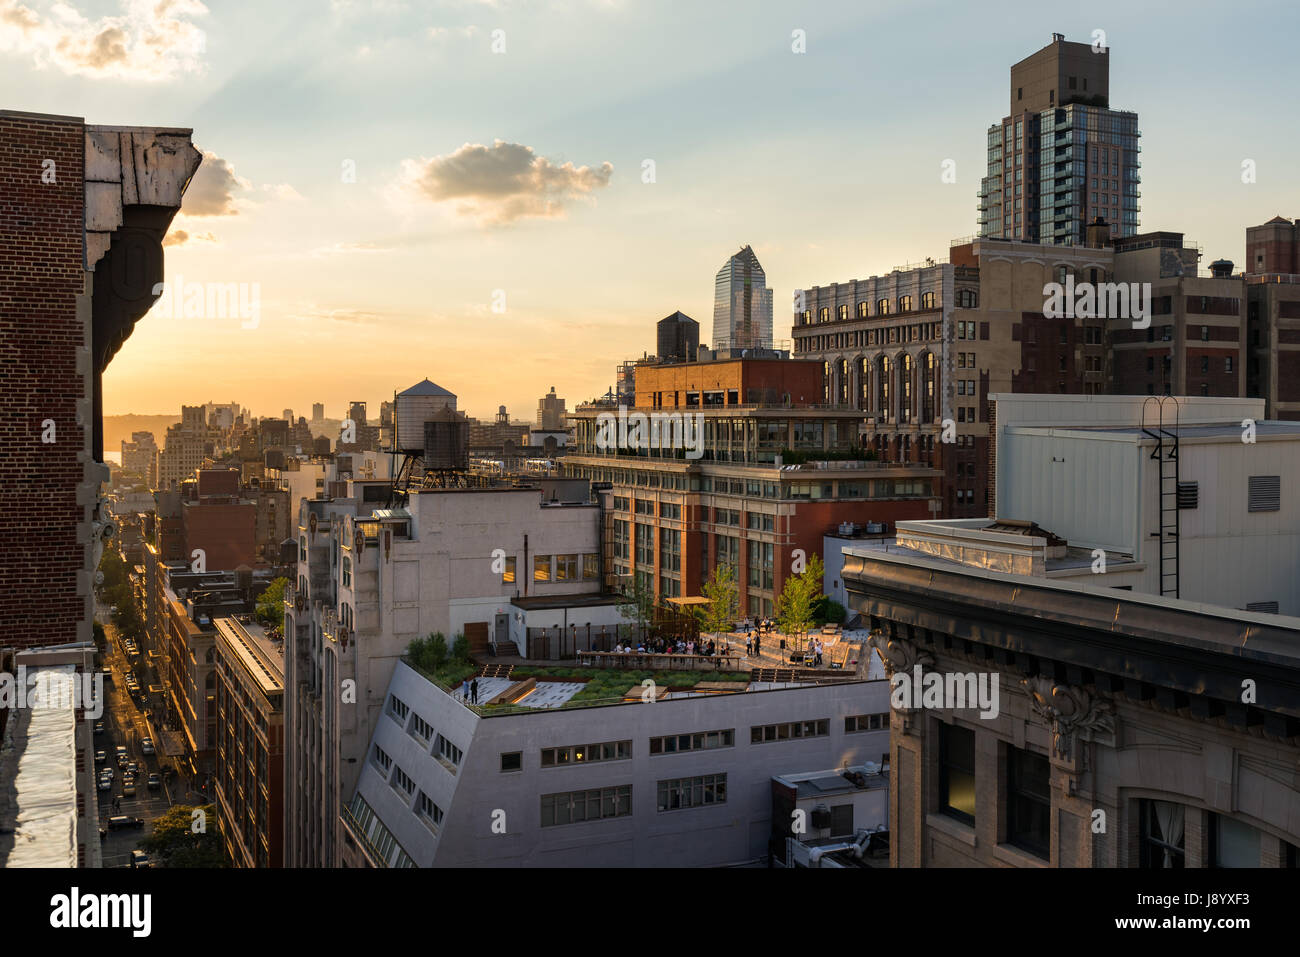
column 506, row 195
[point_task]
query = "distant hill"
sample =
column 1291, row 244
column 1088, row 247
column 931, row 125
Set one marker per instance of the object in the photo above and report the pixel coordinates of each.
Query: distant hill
column 118, row 428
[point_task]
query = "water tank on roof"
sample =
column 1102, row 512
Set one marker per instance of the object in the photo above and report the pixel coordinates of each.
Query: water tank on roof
column 446, row 441
column 415, row 407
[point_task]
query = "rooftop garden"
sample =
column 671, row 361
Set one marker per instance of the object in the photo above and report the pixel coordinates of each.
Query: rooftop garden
column 609, row 683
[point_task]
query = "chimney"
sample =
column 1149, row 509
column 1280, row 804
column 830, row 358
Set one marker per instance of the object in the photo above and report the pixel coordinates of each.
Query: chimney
column 1097, row 234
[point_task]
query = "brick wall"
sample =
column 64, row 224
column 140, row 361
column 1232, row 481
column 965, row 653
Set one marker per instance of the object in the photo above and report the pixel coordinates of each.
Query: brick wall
column 41, row 276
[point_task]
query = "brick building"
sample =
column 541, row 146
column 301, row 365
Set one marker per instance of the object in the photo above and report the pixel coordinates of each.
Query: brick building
column 1273, row 316
column 776, row 470
column 83, row 210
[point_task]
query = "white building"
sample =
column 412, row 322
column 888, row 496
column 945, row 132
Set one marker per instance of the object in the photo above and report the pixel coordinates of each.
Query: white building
column 683, row 781
column 372, row 579
column 1091, row 470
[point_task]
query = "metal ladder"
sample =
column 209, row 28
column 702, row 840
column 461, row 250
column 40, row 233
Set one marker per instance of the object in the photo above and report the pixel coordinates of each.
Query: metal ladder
column 1166, row 455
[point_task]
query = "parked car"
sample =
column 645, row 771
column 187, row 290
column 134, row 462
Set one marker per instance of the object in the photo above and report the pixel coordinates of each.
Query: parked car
column 147, row 746
column 99, row 727
column 139, row 858
column 155, row 781
column 124, row 820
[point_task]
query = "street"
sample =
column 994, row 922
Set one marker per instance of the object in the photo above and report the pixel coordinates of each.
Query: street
column 124, row 725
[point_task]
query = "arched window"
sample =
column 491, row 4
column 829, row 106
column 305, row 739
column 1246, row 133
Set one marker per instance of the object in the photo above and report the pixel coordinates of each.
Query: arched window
column 967, row 299
column 882, row 307
column 904, row 303
column 864, row 383
column 844, row 381
column 826, row 383
column 905, row 388
column 927, row 300
column 842, row 311
column 824, row 314
column 927, row 388
column 883, row 375
column 347, row 572
column 302, row 548
column 862, row 310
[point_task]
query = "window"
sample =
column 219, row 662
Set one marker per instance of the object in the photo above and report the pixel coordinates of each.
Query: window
column 575, row 807
column 679, row 793
column 927, row 300
column 1232, row 843
column 698, row 741
column 402, row 783
column 302, row 548
column 763, row 733
column 398, row 709
column 842, row 311
column 541, row 568
column 957, row 772
column 449, row 750
column 347, row 572
column 1227, row 363
column 428, row 811
column 586, row 753
column 882, row 307
column 566, row 568
column 862, row 310
column 1029, row 801
column 1160, row 838
column 590, row 566
column 512, row 760
column 866, row 722
column 382, row 760
column 1265, row 493
column 904, row 303
column 421, row 730
column 508, row 576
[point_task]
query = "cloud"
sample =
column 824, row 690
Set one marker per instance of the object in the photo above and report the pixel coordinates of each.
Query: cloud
column 180, row 237
column 149, row 40
column 345, row 248
column 282, row 191
column 212, row 190
column 504, row 182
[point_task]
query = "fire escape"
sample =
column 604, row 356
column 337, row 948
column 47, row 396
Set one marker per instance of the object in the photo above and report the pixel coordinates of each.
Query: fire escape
column 1165, row 454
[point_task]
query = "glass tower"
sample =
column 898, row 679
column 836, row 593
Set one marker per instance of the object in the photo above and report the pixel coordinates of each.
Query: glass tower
column 742, row 304
column 1063, row 158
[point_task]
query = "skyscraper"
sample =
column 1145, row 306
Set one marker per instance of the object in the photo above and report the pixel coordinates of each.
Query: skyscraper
column 1062, row 158
column 742, row 304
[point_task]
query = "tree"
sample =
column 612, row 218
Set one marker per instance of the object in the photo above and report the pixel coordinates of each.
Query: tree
column 270, row 604
column 460, row 648
column 799, row 594
column 428, row 654
column 637, row 602
column 724, row 599
column 182, row 839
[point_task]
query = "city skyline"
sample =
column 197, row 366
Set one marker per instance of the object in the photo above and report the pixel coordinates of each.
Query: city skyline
column 373, row 284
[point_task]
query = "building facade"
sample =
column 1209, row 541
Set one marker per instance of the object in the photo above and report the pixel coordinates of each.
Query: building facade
column 742, row 305
column 249, row 769
column 1062, row 157
column 774, row 470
